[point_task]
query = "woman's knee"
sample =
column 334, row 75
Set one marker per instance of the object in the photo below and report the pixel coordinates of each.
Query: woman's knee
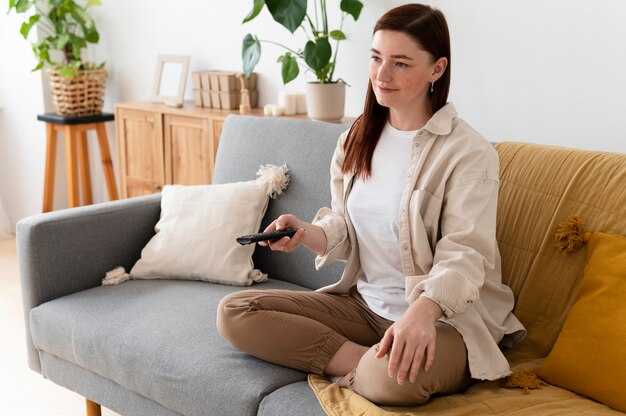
column 231, row 313
column 371, row 380
column 448, row 374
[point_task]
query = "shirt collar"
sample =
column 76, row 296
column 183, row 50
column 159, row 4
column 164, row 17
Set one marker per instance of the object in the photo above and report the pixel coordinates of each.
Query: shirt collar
column 441, row 122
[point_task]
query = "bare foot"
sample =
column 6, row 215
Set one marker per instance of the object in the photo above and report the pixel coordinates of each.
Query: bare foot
column 345, row 380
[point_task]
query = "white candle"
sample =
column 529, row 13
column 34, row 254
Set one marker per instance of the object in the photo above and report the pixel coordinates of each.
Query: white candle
column 267, row 109
column 300, row 104
column 288, row 102
column 278, row 110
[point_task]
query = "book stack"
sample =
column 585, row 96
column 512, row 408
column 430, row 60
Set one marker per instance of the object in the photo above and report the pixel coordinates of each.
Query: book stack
column 221, row 89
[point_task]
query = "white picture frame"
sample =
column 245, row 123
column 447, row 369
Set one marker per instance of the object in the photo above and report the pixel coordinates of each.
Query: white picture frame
column 170, row 79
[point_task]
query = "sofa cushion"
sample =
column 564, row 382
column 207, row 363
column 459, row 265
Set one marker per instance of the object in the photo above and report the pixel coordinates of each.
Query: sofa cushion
column 157, row 338
column 588, row 356
column 293, row 399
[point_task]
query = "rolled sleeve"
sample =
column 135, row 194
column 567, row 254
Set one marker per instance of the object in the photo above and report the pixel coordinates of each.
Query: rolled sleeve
column 335, row 228
column 448, row 289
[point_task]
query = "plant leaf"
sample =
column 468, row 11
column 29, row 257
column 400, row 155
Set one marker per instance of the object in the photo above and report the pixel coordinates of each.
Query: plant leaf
column 250, row 53
column 38, row 67
column 91, row 3
column 338, row 35
column 60, row 41
column 289, row 13
column 317, row 54
column 256, row 9
column 352, row 7
column 67, row 72
column 23, row 5
column 27, row 26
column 289, row 68
column 91, row 34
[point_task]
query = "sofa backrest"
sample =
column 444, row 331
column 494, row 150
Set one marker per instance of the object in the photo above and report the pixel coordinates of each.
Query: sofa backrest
column 307, row 148
column 540, row 186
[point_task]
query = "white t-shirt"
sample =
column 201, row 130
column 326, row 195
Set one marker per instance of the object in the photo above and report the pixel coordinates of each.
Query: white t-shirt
column 373, row 206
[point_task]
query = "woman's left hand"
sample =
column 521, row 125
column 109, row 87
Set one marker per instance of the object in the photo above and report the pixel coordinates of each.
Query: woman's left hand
column 410, row 338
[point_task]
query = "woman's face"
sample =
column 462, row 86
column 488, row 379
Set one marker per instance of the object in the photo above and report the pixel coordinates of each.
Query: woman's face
column 401, row 71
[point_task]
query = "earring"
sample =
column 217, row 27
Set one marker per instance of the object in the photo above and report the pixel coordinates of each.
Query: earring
column 432, row 86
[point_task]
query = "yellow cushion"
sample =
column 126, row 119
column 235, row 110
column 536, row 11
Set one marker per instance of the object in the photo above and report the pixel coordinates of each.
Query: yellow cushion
column 589, row 356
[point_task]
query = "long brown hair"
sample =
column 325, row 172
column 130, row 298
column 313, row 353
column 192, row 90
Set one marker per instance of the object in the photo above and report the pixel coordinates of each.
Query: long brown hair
column 429, row 29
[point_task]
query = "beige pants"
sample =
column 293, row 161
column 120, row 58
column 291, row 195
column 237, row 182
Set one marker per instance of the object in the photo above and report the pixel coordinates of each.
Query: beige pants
column 303, row 330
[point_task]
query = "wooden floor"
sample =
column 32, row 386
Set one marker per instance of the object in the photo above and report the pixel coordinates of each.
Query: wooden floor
column 24, row 392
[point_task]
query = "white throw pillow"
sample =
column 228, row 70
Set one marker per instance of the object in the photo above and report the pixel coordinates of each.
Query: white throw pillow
column 195, row 236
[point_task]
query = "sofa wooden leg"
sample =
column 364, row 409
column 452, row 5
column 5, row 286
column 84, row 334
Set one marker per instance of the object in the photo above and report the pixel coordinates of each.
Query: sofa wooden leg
column 93, row 408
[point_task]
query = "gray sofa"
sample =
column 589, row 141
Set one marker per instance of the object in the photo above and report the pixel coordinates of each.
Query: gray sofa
column 150, row 347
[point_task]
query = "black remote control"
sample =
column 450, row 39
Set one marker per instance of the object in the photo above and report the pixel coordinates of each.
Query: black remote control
column 271, row 236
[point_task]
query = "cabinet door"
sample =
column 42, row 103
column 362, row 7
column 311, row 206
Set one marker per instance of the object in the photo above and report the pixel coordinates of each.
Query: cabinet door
column 140, row 147
column 188, row 150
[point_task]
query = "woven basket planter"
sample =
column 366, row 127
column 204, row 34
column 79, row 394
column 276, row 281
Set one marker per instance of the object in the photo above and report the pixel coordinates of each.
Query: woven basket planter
column 82, row 95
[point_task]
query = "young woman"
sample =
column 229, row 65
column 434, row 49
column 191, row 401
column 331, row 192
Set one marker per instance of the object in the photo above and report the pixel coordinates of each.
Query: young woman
column 420, row 308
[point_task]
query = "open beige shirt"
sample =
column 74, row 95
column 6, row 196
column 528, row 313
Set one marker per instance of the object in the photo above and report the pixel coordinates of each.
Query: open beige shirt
column 447, row 228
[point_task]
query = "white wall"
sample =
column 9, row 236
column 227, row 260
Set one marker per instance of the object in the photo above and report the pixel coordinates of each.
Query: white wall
column 22, row 138
column 543, row 71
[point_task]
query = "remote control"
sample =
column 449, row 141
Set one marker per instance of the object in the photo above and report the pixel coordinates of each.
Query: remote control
column 271, row 236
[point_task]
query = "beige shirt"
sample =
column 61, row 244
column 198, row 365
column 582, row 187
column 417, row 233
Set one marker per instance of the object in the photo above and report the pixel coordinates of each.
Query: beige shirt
column 447, row 228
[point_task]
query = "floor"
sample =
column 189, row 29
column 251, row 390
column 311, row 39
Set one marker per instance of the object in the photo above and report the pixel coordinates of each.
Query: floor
column 24, row 392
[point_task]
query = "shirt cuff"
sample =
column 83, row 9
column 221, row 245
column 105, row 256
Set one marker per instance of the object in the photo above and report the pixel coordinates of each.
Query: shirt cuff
column 334, row 227
column 448, row 289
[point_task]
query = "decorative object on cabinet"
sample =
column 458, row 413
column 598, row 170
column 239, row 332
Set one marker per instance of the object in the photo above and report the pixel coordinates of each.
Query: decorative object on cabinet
column 244, row 106
column 221, row 89
column 77, row 86
column 170, row 79
column 326, row 96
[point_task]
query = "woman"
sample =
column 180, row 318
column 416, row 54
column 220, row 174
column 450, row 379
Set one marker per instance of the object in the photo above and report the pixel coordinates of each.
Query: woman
column 414, row 194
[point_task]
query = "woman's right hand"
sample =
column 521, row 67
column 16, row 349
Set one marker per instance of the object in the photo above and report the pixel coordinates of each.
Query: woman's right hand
column 285, row 244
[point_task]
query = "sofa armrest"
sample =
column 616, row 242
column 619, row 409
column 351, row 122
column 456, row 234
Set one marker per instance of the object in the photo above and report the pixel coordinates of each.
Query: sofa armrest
column 68, row 251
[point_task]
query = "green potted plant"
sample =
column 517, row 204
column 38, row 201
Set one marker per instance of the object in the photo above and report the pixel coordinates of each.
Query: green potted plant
column 67, row 28
column 326, row 97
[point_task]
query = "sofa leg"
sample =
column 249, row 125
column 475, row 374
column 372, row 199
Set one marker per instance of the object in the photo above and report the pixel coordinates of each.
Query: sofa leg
column 93, row 408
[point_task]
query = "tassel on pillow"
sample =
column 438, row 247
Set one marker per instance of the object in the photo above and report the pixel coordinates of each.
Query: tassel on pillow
column 273, row 179
column 115, row 277
column 571, row 235
column 257, row 276
column 525, row 380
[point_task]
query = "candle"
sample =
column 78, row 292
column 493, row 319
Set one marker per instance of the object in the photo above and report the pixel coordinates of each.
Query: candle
column 267, row 109
column 288, row 102
column 300, row 104
column 277, row 110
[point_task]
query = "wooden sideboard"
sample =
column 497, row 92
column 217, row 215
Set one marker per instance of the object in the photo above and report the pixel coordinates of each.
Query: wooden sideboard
column 159, row 145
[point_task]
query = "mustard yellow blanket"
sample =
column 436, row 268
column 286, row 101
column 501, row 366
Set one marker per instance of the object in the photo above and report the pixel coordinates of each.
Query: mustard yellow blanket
column 484, row 398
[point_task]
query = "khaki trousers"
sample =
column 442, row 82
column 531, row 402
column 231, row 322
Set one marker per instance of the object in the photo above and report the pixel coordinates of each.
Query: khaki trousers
column 303, row 330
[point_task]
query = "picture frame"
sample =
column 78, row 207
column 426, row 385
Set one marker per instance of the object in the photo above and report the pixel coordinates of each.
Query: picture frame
column 170, row 79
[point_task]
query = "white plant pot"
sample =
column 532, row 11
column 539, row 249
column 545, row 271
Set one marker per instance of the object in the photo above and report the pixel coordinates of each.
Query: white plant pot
column 326, row 102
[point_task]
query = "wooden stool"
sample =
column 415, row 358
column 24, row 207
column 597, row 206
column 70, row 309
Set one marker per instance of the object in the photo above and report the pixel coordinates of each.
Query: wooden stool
column 75, row 129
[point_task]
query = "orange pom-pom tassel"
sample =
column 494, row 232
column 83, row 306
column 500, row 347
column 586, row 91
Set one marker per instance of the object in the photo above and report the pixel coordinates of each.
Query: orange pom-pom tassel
column 526, row 380
column 570, row 235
